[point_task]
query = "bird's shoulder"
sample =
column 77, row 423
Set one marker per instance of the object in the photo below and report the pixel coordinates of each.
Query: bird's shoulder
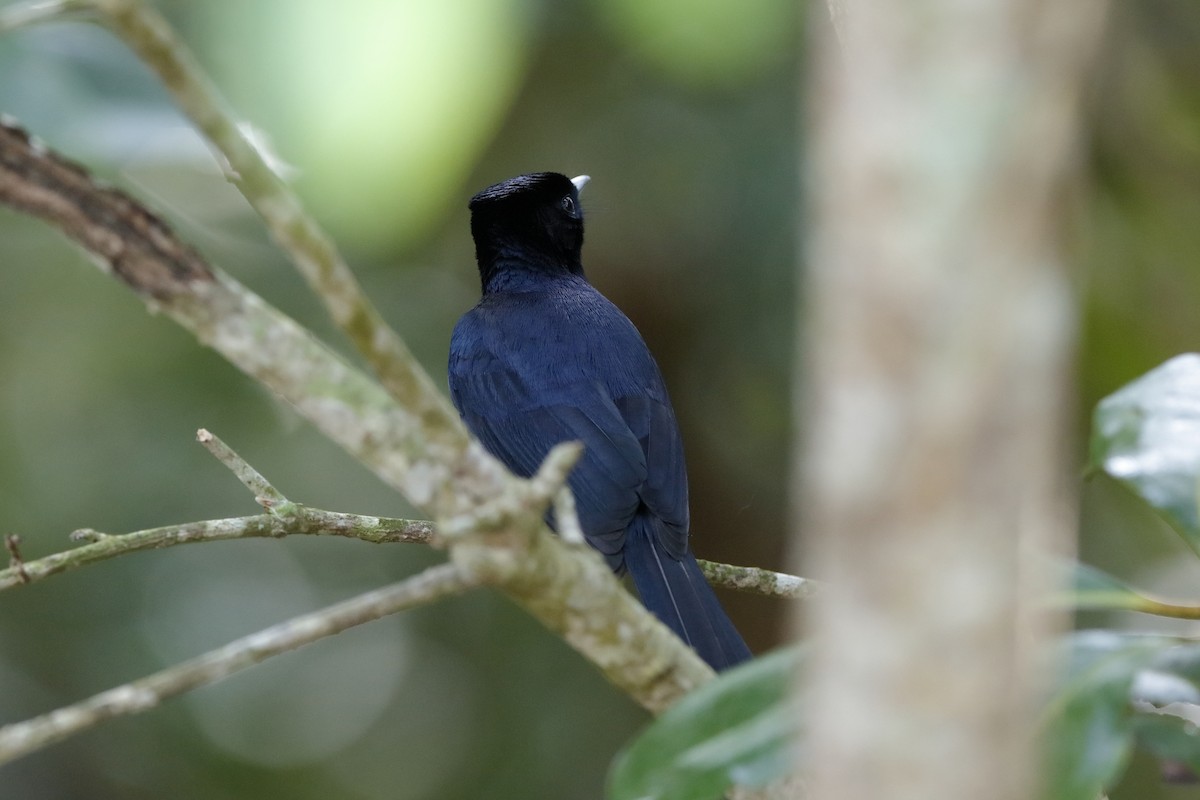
column 565, row 319
column 573, row 302
column 566, row 335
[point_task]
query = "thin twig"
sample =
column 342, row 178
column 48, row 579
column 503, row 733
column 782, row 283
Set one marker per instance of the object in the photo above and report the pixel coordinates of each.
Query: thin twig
column 566, row 517
column 264, row 493
column 304, row 520
column 314, row 254
column 141, row 695
column 16, row 564
column 307, row 521
column 569, row 589
column 535, row 494
column 755, row 580
column 1124, row 600
column 129, row 242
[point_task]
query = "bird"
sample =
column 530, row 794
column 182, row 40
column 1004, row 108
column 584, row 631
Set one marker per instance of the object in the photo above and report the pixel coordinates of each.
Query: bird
column 545, row 358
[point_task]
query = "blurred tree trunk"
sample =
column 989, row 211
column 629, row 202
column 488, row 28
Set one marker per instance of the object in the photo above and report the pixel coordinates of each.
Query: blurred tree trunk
column 938, row 350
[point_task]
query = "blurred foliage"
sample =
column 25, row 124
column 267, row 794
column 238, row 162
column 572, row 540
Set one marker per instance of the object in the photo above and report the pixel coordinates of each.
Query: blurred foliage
column 393, row 113
column 1147, row 436
column 1119, row 691
column 739, row 729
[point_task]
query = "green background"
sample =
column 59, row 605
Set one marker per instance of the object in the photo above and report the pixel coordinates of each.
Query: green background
column 687, row 116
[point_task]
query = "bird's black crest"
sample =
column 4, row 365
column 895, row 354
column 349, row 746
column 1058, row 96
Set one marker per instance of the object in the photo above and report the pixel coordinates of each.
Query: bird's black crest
column 528, row 224
column 533, row 184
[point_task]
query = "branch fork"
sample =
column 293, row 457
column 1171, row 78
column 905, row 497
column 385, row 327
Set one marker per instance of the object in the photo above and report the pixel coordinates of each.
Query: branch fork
column 401, row 427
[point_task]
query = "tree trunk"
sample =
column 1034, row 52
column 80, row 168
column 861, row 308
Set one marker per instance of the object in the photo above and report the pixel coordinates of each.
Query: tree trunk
column 938, row 345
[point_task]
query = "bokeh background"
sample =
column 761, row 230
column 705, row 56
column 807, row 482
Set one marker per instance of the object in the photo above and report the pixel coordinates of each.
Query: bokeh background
column 389, row 114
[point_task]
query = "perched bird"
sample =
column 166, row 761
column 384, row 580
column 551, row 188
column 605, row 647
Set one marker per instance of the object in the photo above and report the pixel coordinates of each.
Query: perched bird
column 544, row 358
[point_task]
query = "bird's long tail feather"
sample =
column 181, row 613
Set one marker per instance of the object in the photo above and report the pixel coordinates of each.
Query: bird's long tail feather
column 676, row 591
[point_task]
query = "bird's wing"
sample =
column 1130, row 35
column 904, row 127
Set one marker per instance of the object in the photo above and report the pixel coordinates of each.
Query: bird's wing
column 665, row 490
column 519, row 425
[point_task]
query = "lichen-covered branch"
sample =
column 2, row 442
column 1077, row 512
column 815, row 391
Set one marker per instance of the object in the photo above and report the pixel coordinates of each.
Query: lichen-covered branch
column 141, row 695
column 756, row 580
column 287, row 518
column 303, row 520
column 408, row 435
column 566, row 587
column 284, row 518
column 130, row 243
column 264, row 493
column 312, row 251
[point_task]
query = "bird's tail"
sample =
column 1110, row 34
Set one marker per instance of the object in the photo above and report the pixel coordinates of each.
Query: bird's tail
column 676, row 591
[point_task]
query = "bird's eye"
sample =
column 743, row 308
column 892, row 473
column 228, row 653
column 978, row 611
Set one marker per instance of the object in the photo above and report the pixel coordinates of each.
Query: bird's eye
column 568, row 204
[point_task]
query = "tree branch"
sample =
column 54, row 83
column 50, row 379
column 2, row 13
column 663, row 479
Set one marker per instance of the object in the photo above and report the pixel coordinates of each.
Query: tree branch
column 284, row 518
column 756, row 580
column 16, row 564
column 418, row 446
column 288, row 518
column 141, row 695
column 264, row 493
column 569, row 589
column 149, row 35
column 304, row 520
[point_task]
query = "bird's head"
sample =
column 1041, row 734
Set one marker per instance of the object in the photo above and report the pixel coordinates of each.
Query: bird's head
column 530, row 223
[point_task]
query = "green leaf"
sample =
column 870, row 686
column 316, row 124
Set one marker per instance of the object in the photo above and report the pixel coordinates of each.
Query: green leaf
column 1169, row 738
column 1095, row 590
column 1182, row 660
column 1090, row 730
column 1167, row 706
column 1147, row 436
column 741, row 728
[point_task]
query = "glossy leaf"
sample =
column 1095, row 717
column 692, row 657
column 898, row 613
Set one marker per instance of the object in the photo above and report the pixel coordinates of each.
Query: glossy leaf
column 741, row 728
column 1167, row 707
column 1182, row 660
column 1090, row 731
column 1147, row 436
column 1169, row 738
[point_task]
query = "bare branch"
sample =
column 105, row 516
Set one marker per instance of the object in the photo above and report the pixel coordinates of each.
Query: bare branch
column 756, row 580
column 129, row 242
column 303, row 520
column 264, row 493
column 287, row 518
column 150, row 36
column 567, row 517
column 568, row 589
column 532, row 495
column 16, row 564
column 142, row 695
column 428, row 454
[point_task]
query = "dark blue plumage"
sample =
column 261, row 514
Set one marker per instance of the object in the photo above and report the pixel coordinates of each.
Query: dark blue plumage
column 545, row 358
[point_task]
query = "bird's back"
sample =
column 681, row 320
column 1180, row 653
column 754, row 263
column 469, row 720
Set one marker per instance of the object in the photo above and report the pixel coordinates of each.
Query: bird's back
column 532, row 368
column 559, row 334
